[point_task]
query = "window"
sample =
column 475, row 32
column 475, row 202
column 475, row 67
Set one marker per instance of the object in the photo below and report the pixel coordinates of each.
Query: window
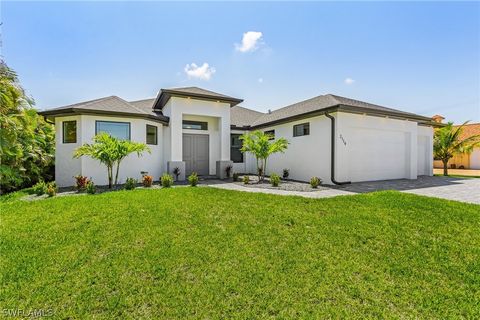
column 271, row 133
column 69, row 131
column 119, row 130
column 151, row 134
column 301, row 129
column 235, row 145
column 195, row 125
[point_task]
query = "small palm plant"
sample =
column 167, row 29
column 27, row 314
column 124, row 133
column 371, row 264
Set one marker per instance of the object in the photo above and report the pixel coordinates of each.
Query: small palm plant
column 447, row 142
column 110, row 151
column 261, row 146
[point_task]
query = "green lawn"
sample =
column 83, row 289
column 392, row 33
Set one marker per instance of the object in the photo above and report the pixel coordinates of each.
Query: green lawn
column 207, row 253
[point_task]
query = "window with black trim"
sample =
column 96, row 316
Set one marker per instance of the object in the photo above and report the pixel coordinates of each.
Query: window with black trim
column 69, row 131
column 152, row 135
column 194, row 125
column 235, row 145
column 119, row 130
column 271, row 134
column 301, row 129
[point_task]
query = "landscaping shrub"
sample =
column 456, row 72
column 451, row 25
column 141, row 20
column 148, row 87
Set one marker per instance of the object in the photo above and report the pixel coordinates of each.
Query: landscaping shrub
column 91, row 188
column 147, row 181
column 193, row 179
column 166, row 180
column 228, row 170
column 176, row 172
column 286, row 173
column 274, row 179
column 52, row 189
column 80, row 182
column 40, row 188
column 315, row 182
column 131, row 183
column 235, row 176
column 246, row 179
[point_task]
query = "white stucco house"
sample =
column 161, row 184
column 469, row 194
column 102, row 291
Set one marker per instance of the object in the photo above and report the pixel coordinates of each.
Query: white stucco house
column 334, row 138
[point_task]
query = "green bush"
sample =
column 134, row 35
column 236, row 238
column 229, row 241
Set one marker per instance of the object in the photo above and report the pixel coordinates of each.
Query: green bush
column 40, row 188
column 246, row 179
column 131, row 183
column 166, row 180
column 52, row 189
column 235, row 176
column 274, row 179
column 286, row 173
column 91, row 188
column 193, row 179
column 315, row 182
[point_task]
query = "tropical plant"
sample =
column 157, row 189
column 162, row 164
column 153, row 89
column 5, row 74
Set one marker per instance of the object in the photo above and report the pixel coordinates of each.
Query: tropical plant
column 274, row 179
column 27, row 141
column 286, row 173
column 193, row 179
column 130, row 183
column 52, row 189
column 228, row 170
column 447, row 142
column 166, row 180
column 80, row 182
column 91, row 188
column 176, row 172
column 110, row 151
column 147, row 181
column 40, row 188
column 246, row 179
column 259, row 144
column 315, row 182
column 235, row 176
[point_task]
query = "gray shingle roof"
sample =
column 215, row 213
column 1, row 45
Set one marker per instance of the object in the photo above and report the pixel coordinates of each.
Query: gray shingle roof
column 193, row 92
column 324, row 102
column 199, row 91
column 240, row 116
column 107, row 105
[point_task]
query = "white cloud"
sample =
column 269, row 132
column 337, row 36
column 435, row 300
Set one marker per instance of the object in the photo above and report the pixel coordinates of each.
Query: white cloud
column 249, row 41
column 204, row 72
column 349, row 81
column 260, row 80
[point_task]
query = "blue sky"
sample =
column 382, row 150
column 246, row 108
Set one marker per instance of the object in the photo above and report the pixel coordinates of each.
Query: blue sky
column 420, row 57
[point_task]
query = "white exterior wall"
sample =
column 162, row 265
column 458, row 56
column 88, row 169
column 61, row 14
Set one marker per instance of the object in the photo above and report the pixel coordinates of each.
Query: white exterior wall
column 217, row 114
column 66, row 167
column 367, row 148
column 306, row 156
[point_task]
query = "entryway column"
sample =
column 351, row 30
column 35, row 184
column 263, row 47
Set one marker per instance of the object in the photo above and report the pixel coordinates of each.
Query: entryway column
column 224, row 162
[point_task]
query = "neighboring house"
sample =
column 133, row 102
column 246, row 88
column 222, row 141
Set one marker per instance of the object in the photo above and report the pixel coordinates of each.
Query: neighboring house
column 463, row 161
column 331, row 137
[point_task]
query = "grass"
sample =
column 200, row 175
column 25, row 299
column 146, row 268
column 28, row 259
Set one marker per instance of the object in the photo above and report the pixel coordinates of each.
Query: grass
column 209, row 253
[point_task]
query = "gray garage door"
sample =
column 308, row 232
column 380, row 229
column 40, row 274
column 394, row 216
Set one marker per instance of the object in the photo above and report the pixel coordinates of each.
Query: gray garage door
column 195, row 153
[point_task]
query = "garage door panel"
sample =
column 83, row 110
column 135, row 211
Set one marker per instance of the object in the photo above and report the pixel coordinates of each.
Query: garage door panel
column 377, row 154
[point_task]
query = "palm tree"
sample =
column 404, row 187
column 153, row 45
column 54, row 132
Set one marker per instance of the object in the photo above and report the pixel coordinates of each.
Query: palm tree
column 110, row 151
column 447, row 143
column 258, row 143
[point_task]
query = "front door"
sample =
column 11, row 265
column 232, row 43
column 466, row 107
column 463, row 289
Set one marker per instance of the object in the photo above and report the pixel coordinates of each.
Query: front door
column 195, row 153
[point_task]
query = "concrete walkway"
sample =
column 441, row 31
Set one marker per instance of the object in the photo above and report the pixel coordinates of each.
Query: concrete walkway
column 459, row 189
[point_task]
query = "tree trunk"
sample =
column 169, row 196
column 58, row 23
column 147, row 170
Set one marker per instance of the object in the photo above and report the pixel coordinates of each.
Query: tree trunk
column 264, row 168
column 110, row 173
column 116, row 174
column 445, row 167
column 258, row 172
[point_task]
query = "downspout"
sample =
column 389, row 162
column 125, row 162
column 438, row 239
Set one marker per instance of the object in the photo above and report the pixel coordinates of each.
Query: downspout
column 332, row 153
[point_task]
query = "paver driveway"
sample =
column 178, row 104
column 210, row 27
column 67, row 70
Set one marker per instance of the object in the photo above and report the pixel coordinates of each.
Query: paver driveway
column 459, row 189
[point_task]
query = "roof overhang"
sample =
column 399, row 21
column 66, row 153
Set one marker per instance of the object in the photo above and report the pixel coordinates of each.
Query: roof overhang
column 78, row 111
column 424, row 121
column 166, row 94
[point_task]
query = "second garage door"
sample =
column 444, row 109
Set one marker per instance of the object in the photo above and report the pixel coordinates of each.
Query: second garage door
column 377, row 154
